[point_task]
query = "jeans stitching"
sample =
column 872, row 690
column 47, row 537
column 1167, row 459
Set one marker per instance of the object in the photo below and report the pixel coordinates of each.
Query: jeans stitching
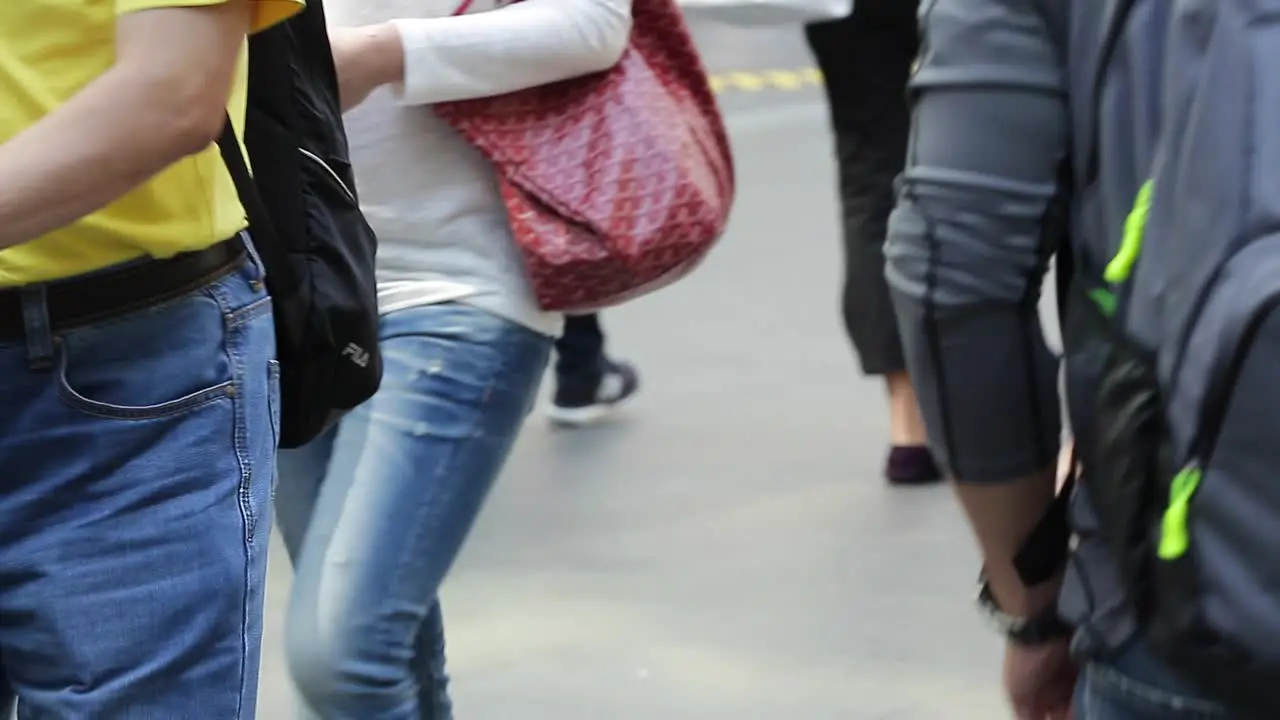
column 233, row 317
column 107, row 411
column 248, row 313
column 170, row 408
column 273, row 399
column 239, row 420
column 234, row 320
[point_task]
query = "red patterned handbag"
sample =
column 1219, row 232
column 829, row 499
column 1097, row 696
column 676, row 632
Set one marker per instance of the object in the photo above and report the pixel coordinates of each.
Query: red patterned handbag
column 618, row 183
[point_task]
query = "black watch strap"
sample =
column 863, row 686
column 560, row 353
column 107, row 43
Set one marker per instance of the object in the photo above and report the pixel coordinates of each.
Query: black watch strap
column 1045, row 550
column 1039, row 629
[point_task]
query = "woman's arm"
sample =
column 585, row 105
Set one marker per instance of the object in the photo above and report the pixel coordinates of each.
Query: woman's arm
column 524, row 45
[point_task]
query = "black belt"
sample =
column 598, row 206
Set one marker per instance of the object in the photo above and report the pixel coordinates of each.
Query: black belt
column 98, row 296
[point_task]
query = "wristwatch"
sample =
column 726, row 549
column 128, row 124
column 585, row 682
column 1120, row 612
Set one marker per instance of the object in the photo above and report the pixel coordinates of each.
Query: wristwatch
column 1038, row 629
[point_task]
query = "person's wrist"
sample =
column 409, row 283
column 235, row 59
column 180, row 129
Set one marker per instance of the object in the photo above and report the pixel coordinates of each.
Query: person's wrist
column 1028, row 617
column 383, row 53
column 1016, row 598
column 1043, row 628
column 1030, row 601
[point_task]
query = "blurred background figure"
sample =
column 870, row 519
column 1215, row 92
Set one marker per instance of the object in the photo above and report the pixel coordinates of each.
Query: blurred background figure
column 866, row 59
column 590, row 385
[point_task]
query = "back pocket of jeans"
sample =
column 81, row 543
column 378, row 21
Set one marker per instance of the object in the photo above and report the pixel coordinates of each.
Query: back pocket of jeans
column 154, row 363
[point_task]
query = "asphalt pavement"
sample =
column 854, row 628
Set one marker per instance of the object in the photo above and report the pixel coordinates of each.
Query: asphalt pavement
column 727, row 549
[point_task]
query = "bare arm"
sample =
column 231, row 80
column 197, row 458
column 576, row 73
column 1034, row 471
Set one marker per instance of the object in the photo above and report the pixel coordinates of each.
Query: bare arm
column 164, row 98
column 1002, row 517
column 524, row 45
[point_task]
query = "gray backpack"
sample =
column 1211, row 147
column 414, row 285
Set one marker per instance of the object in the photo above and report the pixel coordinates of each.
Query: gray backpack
column 1185, row 469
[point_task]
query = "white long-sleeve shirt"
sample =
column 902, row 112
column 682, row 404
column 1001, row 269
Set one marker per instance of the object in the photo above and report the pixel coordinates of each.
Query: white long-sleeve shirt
column 431, row 197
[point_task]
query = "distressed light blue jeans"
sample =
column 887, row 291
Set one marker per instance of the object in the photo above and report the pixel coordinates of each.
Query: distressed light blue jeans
column 374, row 511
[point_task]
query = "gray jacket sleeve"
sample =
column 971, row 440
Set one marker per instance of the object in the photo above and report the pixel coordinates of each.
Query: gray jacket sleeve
column 968, row 245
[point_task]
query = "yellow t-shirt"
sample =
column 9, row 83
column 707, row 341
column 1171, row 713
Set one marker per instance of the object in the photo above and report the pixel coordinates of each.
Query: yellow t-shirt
column 49, row 50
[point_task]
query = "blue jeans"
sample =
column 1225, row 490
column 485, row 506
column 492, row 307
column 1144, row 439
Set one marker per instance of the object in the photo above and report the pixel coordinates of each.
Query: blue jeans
column 1134, row 685
column 374, row 511
column 135, row 508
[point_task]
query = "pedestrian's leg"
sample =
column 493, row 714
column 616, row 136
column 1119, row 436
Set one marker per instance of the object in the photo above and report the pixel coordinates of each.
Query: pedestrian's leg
column 866, row 60
column 300, row 472
column 135, row 513
column 429, row 666
column 589, row 384
column 301, row 475
column 408, row 473
column 580, row 349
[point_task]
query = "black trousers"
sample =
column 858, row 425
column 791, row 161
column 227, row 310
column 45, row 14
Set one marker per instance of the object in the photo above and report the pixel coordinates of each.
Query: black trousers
column 866, row 61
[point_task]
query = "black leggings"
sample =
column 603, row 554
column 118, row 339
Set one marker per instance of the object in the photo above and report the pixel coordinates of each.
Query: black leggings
column 866, row 61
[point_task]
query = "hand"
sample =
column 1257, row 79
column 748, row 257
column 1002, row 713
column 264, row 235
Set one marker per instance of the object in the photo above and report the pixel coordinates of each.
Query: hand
column 1040, row 680
column 360, row 55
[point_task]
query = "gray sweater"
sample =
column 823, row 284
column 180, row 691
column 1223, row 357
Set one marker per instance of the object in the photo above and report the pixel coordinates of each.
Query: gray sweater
column 1005, row 91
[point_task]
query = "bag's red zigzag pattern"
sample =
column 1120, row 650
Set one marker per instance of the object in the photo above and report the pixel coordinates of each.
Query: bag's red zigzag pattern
column 618, row 183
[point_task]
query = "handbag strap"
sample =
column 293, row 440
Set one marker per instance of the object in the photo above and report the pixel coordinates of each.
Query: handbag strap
column 250, row 199
column 266, row 242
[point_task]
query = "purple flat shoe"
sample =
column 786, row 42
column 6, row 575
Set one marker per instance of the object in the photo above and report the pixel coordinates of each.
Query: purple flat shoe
column 911, row 465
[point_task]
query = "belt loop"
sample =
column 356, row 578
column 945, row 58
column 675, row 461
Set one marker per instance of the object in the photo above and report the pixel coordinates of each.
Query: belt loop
column 35, row 322
column 254, row 258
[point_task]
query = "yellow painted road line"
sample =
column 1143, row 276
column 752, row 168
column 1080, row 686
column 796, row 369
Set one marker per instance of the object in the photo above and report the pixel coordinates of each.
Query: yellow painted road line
column 785, row 79
column 777, row 79
column 748, row 81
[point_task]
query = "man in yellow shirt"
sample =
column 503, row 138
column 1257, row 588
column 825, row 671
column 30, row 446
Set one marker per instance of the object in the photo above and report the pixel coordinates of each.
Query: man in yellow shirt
column 137, row 371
